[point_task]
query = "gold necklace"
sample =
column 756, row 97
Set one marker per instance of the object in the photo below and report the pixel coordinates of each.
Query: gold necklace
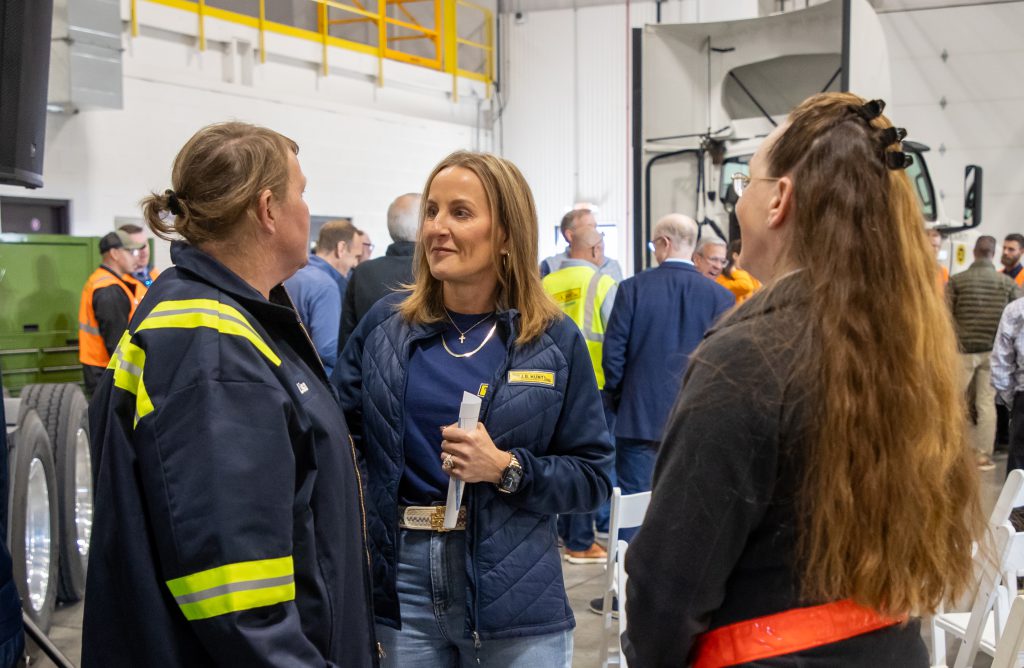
column 472, row 352
column 462, row 334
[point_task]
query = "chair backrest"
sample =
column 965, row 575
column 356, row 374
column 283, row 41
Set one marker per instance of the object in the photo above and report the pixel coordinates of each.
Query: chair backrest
column 1012, row 496
column 991, row 566
column 1012, row 640
column 627, row 511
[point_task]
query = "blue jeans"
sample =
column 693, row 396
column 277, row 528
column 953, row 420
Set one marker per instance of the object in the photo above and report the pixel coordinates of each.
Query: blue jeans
column 432, row 595
column 634, row 465
column 577, row 531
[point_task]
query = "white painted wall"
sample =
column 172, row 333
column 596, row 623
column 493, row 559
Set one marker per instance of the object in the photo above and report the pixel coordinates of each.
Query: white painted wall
column 360, row 145
column 565, row 90
column 982, row 81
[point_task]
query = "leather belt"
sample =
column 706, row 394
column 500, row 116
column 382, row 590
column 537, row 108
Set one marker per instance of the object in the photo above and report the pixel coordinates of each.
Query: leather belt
column 428, row 518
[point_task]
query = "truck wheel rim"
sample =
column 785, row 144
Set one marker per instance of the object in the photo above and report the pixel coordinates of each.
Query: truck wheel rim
column 37, row 535
column 83, row 492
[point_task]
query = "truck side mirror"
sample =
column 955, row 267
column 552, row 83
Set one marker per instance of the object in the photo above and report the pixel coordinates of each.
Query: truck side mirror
column 972, row 195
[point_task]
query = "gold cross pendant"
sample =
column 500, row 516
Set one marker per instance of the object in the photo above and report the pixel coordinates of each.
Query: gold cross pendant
column 462, row 338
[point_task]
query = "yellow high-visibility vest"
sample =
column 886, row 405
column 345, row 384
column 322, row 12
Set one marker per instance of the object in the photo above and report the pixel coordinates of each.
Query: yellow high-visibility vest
column 580, row 293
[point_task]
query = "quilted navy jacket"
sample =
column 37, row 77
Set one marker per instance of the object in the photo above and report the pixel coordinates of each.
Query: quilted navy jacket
column 555, row 426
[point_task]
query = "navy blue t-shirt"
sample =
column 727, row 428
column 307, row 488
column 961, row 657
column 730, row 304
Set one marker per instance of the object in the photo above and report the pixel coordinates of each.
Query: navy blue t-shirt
column 433, row 394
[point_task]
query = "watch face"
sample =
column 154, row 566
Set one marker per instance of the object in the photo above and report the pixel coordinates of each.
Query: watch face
column 510, row 479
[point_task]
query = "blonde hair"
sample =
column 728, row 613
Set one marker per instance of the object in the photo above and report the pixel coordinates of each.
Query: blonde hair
column 889, row 499
column 513, row 213
column 217, row 179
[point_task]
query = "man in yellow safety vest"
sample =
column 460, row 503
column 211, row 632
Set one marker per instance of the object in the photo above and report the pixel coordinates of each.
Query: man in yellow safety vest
column 586, row 295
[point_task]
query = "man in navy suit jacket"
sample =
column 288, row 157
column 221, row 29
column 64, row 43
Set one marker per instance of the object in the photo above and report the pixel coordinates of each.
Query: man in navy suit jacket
column 659, row 317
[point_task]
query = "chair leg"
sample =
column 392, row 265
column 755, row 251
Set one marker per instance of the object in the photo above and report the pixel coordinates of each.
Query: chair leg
column 938, row 642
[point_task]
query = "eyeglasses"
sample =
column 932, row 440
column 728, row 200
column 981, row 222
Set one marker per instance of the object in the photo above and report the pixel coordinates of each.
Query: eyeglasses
column 740, row 181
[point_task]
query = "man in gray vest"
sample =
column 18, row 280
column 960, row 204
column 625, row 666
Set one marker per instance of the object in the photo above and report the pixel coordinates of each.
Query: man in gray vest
column 575, row 221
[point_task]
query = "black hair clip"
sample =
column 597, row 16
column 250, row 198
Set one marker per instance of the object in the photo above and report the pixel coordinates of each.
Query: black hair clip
column 869, row 111
column 892, row 135
column 898, row 160
column 173, row 205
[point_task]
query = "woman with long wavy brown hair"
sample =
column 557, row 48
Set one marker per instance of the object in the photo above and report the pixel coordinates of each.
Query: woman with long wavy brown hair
column 814, row 494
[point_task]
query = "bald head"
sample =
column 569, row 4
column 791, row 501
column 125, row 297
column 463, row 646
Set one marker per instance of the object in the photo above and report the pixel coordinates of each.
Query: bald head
column 681, row 231
column 404, row 217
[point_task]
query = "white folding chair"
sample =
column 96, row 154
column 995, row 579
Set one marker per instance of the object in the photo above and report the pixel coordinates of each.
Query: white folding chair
column 1012, row 641
column 1011, row 496
column 621, row 571
column 626, row 512
column 981, row 628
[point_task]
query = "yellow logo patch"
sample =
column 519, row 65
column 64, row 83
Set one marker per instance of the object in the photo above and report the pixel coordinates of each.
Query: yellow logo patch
column 482, row 392
column 567, row 296
column 532, row 377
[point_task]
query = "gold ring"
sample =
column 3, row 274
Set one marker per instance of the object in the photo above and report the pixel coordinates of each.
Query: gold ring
column 449, row 463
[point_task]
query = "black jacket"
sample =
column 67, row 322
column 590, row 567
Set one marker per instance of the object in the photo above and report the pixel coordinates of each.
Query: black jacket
column 717, row 545
column 372, row 280
column 228, row 526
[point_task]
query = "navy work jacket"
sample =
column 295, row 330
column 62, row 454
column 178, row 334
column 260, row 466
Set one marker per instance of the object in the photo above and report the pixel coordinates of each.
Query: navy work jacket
column 228, row 525
column 542, row 405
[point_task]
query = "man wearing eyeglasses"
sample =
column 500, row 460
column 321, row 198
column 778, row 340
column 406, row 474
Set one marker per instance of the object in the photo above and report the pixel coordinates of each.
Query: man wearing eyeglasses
column 108, row 302
column 586, row 295
column 363, row 247
column 143, row 273
column 659, row 317
column 710, row 256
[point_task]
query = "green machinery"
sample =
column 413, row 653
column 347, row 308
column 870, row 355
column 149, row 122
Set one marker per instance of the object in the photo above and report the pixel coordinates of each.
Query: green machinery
column 41, row 279
column 49, row 509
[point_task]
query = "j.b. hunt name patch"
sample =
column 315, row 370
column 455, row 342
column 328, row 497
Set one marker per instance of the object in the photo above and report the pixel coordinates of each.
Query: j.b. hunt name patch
column 531, row 377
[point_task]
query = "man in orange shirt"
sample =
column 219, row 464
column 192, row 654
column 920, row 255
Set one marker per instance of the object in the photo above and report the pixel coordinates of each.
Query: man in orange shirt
column 1013, row 247
column 935, row 239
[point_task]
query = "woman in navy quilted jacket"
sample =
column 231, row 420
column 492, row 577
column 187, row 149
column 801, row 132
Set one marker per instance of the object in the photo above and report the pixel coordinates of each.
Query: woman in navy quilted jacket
column 476, row 320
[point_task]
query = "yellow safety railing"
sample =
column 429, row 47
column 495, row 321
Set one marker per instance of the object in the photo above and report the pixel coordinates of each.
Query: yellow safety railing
column 443, row 36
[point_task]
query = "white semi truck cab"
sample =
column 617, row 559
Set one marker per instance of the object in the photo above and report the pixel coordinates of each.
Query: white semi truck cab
column 709, row 93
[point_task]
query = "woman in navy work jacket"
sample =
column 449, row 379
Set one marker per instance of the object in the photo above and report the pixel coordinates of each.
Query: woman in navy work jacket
column 814, row 493
column 476, row 320
column 228, row 527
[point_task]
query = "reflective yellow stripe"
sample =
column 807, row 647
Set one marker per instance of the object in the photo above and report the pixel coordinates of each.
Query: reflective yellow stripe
column 126, row 337
column 128, row 363
column 193, row 313
column 143, row 404
column 234, row 587
column 238, row 601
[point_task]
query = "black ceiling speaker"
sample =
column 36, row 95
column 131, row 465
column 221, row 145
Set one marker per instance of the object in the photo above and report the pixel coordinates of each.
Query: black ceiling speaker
column 25, row 27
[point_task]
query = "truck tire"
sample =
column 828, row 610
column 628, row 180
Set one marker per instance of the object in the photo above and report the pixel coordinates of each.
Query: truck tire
column 65, row 414
column 33, row 535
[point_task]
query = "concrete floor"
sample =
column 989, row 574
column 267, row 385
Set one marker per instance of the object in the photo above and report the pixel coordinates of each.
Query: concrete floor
column 583, row 583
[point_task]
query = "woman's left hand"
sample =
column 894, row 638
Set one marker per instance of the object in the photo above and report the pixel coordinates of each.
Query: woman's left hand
column 473, row 455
